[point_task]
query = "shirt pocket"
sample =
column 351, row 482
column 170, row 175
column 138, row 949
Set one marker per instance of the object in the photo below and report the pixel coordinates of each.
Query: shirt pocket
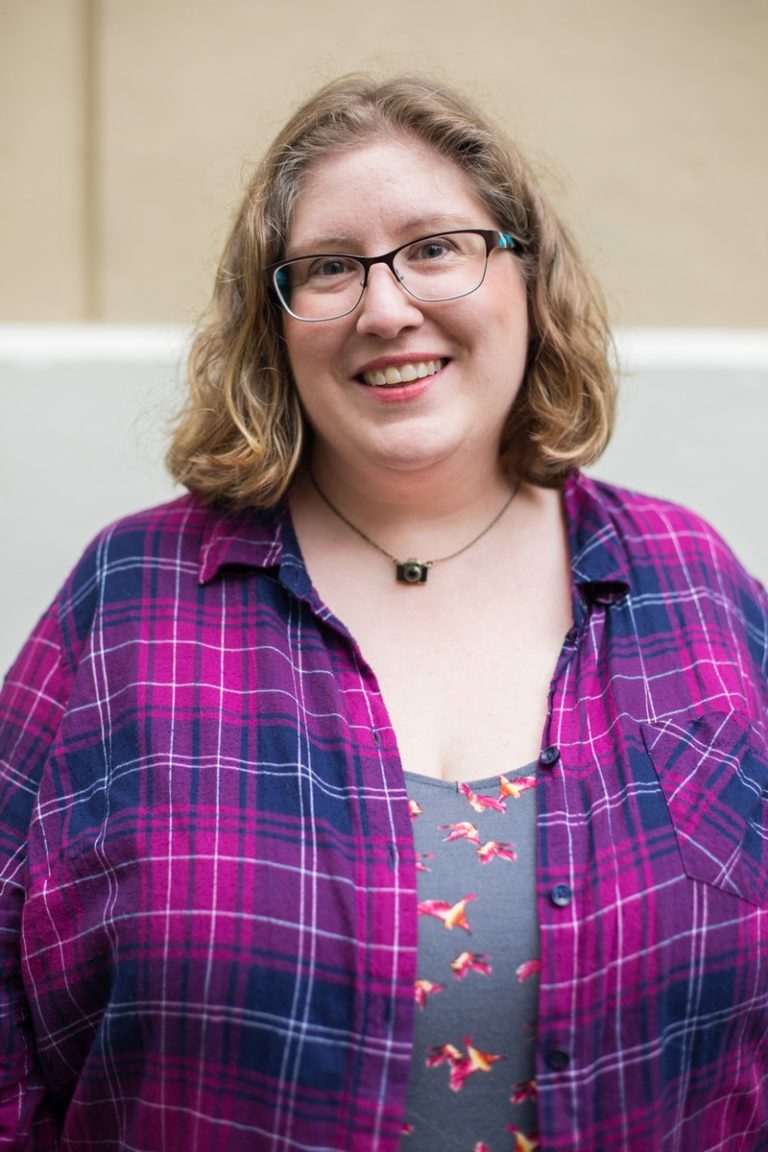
column 713, row 771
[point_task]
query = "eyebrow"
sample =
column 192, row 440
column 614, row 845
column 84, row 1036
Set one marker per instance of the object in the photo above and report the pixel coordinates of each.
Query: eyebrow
column 416, row 226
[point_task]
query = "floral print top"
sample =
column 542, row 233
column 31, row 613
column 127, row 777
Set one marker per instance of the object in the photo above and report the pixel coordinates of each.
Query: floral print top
column 472, row 1085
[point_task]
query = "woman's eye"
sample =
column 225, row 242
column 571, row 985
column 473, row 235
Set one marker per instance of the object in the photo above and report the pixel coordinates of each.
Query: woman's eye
column 431, row 250
column 323, row 268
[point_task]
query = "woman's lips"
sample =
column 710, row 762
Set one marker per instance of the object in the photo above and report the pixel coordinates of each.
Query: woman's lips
column 396, row 375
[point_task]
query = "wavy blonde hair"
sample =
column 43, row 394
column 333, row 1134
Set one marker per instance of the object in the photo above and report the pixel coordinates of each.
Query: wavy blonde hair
column 242, row 436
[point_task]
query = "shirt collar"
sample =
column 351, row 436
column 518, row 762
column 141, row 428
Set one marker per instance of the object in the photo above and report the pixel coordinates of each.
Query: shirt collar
column 599, row 560
column 266, row 539
column 250, row 538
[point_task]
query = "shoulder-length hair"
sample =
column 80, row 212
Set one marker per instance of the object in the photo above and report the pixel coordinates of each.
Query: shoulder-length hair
column 242, row 436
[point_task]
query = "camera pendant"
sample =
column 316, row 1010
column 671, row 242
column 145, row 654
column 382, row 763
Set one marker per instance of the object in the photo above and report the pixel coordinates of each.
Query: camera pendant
column 412, row 571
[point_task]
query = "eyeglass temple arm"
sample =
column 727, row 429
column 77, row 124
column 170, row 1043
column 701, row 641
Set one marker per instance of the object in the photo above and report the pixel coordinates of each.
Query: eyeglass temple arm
column 507, row 241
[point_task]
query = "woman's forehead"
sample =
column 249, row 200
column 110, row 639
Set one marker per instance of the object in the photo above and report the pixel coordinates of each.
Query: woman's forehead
column 394, row 186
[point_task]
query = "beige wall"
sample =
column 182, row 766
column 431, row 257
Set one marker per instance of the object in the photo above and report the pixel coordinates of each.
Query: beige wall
column 124, row 123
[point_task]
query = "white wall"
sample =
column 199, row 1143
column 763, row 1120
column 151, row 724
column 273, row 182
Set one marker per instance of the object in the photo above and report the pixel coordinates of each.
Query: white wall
column 84, row 413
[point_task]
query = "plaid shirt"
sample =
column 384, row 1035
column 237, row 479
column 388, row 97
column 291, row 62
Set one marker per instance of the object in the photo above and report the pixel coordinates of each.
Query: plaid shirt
column 207, row 874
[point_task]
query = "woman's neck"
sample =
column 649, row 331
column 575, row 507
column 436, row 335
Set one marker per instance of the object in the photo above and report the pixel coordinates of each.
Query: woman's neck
column 393, row 500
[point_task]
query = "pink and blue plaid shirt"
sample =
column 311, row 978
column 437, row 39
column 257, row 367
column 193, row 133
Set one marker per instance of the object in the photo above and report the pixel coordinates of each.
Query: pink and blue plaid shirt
column 207, row 873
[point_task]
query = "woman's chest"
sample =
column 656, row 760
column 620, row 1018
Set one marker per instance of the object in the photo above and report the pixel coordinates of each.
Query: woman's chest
column 467, row 693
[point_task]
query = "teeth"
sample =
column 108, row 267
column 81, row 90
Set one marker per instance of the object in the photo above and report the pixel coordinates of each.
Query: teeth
column 393, row 374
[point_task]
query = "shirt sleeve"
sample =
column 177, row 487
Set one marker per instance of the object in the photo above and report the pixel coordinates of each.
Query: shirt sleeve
column 33, row 700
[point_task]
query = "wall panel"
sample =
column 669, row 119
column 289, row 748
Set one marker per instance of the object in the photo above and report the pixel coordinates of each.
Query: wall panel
column 43, row 244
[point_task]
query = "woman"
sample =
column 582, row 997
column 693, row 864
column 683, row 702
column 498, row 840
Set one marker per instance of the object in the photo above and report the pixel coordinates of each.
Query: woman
column 399, row 787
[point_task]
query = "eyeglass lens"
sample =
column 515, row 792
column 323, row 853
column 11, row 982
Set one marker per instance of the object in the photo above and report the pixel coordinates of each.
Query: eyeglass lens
column 433, row 268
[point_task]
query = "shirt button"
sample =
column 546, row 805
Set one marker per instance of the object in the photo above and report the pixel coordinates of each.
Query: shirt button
column 561, row 895
column 549, row 757
column 558, row 1061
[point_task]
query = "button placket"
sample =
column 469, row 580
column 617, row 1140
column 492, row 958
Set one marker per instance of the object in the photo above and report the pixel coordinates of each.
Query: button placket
column 561, row 896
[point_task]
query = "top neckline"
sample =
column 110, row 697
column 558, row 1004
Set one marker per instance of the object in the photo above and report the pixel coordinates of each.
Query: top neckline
column 492, row 781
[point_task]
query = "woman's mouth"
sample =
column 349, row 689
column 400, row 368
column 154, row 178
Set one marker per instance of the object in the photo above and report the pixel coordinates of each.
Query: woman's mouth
column 395, row 375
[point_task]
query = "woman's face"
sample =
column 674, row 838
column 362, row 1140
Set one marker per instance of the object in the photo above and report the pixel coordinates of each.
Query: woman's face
column 366, row 201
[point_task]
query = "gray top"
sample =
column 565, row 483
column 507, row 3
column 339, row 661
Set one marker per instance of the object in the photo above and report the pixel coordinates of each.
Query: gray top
column 472, row 1086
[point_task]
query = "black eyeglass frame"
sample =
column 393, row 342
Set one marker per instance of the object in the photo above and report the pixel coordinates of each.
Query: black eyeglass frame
column 494, row 238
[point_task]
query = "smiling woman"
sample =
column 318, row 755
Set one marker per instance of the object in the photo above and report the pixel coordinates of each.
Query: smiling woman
column 260, row 765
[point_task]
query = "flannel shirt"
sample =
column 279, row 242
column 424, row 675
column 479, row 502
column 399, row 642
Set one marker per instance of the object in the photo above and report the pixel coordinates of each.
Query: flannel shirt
column 207, row 876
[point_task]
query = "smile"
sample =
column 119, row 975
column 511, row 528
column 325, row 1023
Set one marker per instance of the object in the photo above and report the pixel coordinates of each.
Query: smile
column 395, row 374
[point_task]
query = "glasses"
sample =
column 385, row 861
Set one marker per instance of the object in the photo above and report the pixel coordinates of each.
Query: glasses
column 445, row 266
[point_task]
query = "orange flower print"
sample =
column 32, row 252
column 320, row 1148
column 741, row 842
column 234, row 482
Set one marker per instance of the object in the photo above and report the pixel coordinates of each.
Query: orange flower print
column 525, row 1090
column 464, row 830
column 470, row 962
column 492, row 849
column 424, row 988
column 480, row 803
column 414, row 809
column 462, row 1065
column 516, row 787
column 528, row 969
column 420, row 858
column 452, row 915
column 523, row 1143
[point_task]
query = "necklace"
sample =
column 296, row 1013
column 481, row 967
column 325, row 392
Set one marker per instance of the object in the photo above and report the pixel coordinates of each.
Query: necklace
column 412, row 571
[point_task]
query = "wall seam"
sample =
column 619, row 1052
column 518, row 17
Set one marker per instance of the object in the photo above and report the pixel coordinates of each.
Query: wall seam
column 91, row 186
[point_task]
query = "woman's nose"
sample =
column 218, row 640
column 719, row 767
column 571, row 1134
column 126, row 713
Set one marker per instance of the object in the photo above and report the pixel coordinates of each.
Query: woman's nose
column 386, row 308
